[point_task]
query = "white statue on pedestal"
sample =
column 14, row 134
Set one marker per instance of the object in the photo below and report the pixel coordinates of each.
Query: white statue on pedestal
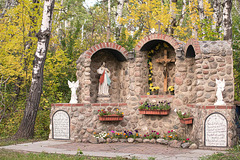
column 104, row 81
column 73, row 86
column 220, row 89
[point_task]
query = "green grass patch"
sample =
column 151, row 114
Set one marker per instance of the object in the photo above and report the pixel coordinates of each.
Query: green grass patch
column 232, row 154
column 10, row 141
column 11, row 155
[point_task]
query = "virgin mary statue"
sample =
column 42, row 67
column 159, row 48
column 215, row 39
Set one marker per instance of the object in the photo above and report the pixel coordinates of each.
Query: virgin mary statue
column 104, row 81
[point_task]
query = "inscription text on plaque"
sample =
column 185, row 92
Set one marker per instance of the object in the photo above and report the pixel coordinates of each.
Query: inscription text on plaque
column 216, row 131
column 60, row 122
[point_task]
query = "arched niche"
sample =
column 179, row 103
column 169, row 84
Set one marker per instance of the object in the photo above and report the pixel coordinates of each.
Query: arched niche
column 164, row 51
column 190, row 52
column 116, row 63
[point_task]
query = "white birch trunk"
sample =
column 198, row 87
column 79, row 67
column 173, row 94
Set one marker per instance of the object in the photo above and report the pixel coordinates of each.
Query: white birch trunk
column 183, row 13
column 119, row 15
column 201, row 10
column 201, row 14
column 108, row 26
column 26, row 128
column 227, row 20
column 173, row 17
column 217, row 14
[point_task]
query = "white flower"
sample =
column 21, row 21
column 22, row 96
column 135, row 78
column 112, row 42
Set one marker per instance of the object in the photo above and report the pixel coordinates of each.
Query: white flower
column 183, row 113
column 175, row 110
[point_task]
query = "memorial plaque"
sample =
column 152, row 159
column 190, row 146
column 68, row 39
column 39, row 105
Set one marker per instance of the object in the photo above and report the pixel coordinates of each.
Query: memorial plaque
column 61, row 125
column 216, row 131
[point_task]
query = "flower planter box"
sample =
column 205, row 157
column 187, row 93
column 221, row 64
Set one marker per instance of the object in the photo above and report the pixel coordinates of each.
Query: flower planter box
column 187, row 120
column 110, row 118
column 154, row 112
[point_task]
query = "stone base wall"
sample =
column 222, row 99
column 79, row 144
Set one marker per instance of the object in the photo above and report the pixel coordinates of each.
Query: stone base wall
column 84, row 120
column 200, row 113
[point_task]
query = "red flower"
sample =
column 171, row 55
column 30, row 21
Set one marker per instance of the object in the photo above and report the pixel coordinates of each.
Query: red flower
column 171, row 130
column 168, row 131
column 187, row 139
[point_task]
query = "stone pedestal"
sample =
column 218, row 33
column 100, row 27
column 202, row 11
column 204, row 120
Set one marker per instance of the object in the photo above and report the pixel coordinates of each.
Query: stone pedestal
column 103, row 99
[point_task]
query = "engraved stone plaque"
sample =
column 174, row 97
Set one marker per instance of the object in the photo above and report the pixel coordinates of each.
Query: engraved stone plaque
column 216, row 131
column 60, row 122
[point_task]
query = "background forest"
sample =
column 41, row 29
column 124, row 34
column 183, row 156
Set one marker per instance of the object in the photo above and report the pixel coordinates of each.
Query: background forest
column 77, row 26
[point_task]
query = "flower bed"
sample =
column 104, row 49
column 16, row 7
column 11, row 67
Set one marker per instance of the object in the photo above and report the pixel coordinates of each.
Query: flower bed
column 170, row 138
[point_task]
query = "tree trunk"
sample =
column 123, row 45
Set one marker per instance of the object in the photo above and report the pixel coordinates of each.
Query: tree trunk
column 201, row 14
column 173, row 17
column 227, row 20
column 118, row 15
column 108, row 26
column 26, row 128
column 183, row 13
column 217, row 14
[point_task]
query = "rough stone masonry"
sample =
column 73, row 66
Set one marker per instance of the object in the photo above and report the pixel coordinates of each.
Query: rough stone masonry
column 198, row 64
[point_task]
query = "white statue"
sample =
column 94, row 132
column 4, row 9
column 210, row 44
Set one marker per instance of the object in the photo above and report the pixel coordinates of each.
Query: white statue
column 73, row 86
column 104, row 81
column 220, row 89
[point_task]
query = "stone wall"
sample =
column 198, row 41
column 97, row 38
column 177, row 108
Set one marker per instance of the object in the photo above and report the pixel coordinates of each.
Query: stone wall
column 200, row 113
column 215, row 62
column 193, row 76
column 84, row 119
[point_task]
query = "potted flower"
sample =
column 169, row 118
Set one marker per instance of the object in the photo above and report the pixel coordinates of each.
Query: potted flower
column 185, row 118
column 110, row 116
column 154, row 90
column 161, row 108
column 171, row 90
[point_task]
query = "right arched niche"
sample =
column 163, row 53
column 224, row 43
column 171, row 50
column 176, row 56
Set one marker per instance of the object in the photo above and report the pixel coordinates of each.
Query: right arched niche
column 191, row 75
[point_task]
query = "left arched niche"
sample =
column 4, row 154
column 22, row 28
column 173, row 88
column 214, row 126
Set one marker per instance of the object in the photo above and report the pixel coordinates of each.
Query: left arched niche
column 118, row 68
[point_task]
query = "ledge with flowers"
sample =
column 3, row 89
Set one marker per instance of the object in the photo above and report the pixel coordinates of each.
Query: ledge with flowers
column 159, row 108
column 104, row 115
column 170, row 138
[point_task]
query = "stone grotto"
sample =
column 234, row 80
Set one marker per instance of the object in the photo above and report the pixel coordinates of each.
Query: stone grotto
column 192, row 68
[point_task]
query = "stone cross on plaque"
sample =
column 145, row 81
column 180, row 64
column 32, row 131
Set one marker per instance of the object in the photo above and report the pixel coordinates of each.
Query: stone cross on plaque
column 165, row 62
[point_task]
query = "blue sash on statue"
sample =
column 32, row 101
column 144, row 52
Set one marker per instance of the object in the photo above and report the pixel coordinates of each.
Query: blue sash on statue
column 108, row 79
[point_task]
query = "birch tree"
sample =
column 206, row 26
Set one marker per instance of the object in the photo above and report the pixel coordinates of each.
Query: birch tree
column 109, row 15
column 217, row 14
column 227, row 20
column 118, row 16
column 26, row 128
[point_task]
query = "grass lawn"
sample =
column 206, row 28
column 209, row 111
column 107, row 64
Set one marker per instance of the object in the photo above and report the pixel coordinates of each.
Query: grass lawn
column 9, row 141
column 232, row 154
column 11, row 155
